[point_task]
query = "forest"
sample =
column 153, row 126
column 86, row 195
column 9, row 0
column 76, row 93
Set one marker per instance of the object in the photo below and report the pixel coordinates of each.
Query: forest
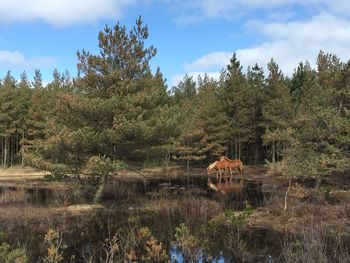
column 292, row 134
column 118, row 109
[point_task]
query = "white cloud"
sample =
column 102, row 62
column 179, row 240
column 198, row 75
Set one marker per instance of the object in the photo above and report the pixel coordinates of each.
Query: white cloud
column 15, row 60
column 192, row 11
column 288, row 43
column 292, row 42
column 67, row 12
column 337, row 6
column 62, row 12
column 209, row 62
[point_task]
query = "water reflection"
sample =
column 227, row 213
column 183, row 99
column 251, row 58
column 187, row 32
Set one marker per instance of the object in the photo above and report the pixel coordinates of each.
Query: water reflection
column 39, row 196
column 159, row 203
column 176, row 256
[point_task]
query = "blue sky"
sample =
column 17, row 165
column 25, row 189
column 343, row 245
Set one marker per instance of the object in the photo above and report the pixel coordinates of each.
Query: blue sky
column 191, row 36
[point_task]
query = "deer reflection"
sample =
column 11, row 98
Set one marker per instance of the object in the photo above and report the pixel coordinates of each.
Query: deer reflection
column 227, row 187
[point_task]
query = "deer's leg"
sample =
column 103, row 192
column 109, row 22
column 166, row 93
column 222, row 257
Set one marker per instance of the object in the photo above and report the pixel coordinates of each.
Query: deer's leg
column 220, row 178
column 240, row 168
column 231, row 174
column 226, row 173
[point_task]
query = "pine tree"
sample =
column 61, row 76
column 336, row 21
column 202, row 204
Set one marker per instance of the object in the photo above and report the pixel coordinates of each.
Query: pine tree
column 186, row 89
column 24, row 102
column 277, row 110
column 189, row 145
column 36, row 121
column 8, row 116
column 256, row 86
column 123, row 61
column 233, row 82
column 37, row 80
column 117, row 108
column 212, row 119
column 319, row 135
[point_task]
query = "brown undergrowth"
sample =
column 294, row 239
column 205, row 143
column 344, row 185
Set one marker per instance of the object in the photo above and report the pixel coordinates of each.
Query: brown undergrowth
column 328, row 205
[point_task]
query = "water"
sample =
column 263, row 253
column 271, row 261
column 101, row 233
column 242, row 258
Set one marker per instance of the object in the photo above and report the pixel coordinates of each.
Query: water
column 40, row 196
column 161, row 204
column 176, row 255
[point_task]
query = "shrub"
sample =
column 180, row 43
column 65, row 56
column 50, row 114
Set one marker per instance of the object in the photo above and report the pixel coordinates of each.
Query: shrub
column 10, row 255
column 98, row 167
column 54, row 247
column 134, row 243
column 189, row 244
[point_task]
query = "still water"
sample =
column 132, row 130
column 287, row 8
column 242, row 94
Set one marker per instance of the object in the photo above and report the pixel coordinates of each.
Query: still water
column 161, row 204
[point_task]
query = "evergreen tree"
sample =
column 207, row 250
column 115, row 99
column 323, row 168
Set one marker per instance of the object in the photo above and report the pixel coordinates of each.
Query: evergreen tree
column 117, row 107
column 37, row 80
column 189, row 144
column 277, row 110
column 37, row 119
column 24, row 102
column 122, row 63
column 298, row 81
column 233, row 82
column 212, row 119
column 186, row 89
column 254, row 102
column 8, row 116
column 318, row 132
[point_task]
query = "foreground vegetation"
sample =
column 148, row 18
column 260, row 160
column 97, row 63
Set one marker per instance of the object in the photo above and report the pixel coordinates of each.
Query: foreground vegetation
column 149, row 227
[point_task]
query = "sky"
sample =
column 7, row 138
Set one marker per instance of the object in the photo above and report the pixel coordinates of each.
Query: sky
column 191, row 36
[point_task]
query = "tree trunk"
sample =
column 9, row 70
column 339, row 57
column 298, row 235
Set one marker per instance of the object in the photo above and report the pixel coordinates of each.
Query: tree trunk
column 318, row 182
column 286, row 195
column 256, row 152
column 5, row 153
column 114, row 152
column 231, row 150
column 101, row 188
column 188, row 165
column 11, row 150
column 273, row 152
column 188, row 171
column 239, row 149
column 22, row 159
column 2, row 152
column 236, row 148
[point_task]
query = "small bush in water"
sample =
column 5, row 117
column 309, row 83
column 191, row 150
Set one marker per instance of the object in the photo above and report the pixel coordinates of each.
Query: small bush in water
column 189, row 244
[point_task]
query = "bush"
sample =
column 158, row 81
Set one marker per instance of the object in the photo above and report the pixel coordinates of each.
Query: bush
column 315, row 245
column 10, row 255
column 98, row 167
column 134, row 243
column 54, row 247
column 189, row 244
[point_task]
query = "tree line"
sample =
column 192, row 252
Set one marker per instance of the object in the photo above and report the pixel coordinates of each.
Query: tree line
column 118, row 109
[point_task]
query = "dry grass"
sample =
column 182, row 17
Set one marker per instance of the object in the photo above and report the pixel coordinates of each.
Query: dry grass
column 317, row 207
column 32, row 215
column 315, row 244
column 192, row 211
column 80, row 209
column 19, row 172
